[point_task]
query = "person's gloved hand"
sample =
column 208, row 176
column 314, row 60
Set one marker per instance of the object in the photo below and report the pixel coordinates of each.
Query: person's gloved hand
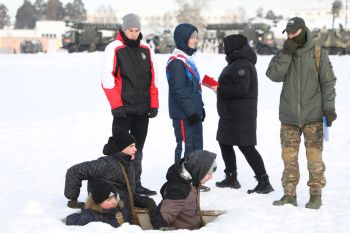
column 153, row 113
column 331, row 116
column 119, row 112
column 74, row 204
column 290, row 46
column 194, row 119
column 203, row 114
column 151, row 206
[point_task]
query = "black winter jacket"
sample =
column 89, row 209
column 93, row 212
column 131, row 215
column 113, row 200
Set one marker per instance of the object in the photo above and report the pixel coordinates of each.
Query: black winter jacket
column 107, row 167
column 237, row 98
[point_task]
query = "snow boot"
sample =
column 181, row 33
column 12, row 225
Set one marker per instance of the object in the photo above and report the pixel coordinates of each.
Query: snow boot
column 229, row 181
column 286, row 200
column 263, row 186
column 315, row 202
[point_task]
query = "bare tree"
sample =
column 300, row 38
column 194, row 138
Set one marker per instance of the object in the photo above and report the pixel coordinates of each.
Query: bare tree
column 190, row 12
column 260, row 12
column 337, row 5
column 40, row 8
column 4, row 16
column 105, row 14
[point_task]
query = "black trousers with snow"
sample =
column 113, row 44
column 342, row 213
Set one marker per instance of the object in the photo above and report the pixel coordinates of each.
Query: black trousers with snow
column 137, row 125
column 251, row 155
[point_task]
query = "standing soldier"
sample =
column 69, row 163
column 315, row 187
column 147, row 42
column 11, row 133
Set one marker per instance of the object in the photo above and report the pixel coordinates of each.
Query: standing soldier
column 308, row 93
column 129, row 84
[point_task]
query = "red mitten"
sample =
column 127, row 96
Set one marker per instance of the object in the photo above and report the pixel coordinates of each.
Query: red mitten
column 209, row 81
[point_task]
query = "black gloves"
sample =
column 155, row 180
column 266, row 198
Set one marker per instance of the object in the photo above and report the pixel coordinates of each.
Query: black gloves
column 153, row 113
column 119, row 112
column 151, row 206
column 194, row 119
column 203, row 114
column 331, row 116
column 74, row 204
column 290, row 46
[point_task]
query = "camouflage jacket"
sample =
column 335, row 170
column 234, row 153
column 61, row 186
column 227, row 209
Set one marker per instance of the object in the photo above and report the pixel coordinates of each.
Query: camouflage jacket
column 306, row 93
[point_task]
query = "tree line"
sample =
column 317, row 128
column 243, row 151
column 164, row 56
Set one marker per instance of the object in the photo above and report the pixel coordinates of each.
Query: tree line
column 28, row 14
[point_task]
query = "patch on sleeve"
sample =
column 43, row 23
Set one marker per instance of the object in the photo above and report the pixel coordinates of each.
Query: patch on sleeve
column 241, row 72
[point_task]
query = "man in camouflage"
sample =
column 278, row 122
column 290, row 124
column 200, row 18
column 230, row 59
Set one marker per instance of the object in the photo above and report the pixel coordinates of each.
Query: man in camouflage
column 308, row 94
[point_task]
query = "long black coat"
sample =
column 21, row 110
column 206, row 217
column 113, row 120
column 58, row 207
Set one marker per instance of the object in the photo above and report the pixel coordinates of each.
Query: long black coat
column 237, row 98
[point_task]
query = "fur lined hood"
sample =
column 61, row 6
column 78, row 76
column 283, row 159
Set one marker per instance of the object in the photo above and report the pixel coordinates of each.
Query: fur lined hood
column 90, row 204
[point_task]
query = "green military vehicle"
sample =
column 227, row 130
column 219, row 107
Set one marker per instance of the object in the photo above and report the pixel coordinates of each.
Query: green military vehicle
column 337, row 42
column 161, row 42
column 259, row 36
column 31, row 46
column 88, row 36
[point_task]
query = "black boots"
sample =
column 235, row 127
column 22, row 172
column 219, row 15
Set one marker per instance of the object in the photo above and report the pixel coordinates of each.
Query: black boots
column 229, row 181
column 263, row 186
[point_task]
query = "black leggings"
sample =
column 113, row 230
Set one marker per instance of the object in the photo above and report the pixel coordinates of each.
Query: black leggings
column 251, row 155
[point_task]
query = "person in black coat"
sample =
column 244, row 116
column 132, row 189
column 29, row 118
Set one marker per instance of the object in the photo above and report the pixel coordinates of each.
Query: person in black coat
column 237, row 97
column 102, row 205
column 119, row 150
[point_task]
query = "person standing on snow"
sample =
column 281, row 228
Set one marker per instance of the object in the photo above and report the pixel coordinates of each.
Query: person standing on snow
column 308, row 94
column 180, row 207
column 129, row 83
column 237, row 100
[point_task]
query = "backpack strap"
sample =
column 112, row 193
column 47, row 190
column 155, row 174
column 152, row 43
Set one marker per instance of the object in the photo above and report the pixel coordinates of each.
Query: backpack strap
column 317, row 56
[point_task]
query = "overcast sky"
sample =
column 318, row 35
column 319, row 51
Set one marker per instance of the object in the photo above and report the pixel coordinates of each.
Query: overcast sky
column 278, row 6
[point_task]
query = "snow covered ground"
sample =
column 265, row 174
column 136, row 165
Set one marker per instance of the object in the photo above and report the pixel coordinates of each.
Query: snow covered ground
column 54, row 114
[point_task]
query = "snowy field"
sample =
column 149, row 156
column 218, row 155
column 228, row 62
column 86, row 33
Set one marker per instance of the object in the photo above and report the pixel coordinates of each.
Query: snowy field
column 54, row 114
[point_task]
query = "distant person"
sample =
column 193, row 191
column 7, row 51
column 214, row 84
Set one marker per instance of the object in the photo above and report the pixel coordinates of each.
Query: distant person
column 102, row 205
column 115, row 167
column 129, row 84
column 185, row 94
column 237, row 100
column 180, row 207
column 308, row 94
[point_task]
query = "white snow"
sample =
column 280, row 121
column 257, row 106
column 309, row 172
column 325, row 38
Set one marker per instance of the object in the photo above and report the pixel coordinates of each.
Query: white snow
column 54, row 114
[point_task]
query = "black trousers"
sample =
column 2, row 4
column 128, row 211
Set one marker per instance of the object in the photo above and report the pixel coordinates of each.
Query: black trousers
column 251, row 155
column 137, row 125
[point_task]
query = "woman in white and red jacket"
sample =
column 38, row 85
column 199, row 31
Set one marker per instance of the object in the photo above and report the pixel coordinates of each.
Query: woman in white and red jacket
column 128, row 81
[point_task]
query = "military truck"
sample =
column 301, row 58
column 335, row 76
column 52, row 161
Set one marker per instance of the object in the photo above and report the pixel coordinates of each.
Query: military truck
column 162, row 42
column 88, row 36
column 259, row 36
column 31, row 46
column 337, row 42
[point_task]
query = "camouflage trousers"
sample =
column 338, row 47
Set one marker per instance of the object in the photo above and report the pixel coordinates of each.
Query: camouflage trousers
column 290, row 141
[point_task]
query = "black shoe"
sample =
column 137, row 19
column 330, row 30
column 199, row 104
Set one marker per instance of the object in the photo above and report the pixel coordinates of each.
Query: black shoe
column 203, row 188
column 263, row 186
column 145, row 191
column 230, row 181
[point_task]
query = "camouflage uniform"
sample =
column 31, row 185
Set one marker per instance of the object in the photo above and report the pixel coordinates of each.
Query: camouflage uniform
column 290, row 140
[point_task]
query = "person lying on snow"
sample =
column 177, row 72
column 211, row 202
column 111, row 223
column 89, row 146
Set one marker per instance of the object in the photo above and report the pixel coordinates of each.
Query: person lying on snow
column 180, row 207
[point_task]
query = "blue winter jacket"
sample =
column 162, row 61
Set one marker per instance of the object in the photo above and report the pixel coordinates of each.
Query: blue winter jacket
column 185, row 94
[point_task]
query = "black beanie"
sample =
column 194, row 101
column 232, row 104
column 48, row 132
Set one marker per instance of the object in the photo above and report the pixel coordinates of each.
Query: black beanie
column 101, row 190
column 234, row 42
column 122, row 138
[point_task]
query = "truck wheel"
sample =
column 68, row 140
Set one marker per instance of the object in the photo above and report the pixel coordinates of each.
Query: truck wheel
column 72, row 49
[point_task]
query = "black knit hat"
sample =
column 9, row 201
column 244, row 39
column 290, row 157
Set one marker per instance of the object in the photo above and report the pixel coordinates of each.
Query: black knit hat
column 122, row 138
column 294, row 24
column 101, row 190
column 234, row 42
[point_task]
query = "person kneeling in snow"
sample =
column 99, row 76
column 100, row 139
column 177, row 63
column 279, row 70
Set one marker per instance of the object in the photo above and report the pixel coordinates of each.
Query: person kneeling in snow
column 102, row 205
column 115, row 167
column 180, row 207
